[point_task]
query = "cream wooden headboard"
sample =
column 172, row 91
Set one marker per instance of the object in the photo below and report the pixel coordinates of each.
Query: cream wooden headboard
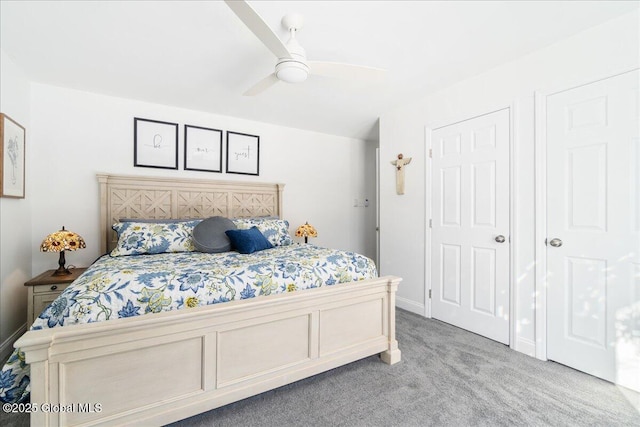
column 123, row 196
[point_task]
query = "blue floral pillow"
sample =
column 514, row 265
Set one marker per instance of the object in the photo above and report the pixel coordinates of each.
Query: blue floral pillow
column 275, row 230
column 137, row 238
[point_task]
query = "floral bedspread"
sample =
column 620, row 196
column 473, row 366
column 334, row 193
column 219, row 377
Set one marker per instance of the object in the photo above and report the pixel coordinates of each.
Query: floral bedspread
column 128, row 286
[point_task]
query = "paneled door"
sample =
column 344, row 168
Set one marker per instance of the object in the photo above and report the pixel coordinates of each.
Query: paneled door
column 593, row 228
column 470, row 225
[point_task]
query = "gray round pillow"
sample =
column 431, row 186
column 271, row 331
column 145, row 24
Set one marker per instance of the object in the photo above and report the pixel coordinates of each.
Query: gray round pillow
column 209, row 236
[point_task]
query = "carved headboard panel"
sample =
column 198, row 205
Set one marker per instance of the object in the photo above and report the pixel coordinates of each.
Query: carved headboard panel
column 139, row 197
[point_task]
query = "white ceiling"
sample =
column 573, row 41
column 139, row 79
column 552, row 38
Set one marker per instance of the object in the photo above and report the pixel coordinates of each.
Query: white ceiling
column 199, row 55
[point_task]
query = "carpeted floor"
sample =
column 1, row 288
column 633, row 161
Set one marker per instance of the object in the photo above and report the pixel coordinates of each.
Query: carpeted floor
column 447, row 377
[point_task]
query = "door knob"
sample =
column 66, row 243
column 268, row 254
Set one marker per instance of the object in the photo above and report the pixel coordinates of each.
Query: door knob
column 556, row 243
column 500, row 238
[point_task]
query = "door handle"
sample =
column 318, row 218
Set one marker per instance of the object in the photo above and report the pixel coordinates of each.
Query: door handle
column 556, row 243
column 500, row 238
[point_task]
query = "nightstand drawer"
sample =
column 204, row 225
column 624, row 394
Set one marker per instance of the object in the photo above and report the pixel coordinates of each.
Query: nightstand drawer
column 46, row 287
column 41, row 301
column 57, row 288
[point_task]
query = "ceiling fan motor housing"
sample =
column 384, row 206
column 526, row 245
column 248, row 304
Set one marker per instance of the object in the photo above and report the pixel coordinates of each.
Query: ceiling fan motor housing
column 295, row 68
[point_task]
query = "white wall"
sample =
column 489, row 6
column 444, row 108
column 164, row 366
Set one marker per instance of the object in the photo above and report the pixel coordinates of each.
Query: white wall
column 15, row 216
column 78, row 134
column 601, row 51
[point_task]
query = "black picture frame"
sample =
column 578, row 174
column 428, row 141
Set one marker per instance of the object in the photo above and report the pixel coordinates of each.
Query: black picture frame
column 243, row 153
column 202, row 149
column 155, row 144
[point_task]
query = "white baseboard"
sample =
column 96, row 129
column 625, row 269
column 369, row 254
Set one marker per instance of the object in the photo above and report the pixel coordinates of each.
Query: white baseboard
column 412, row 306
column 6, row 348
column 526, row 346
column 632, row 396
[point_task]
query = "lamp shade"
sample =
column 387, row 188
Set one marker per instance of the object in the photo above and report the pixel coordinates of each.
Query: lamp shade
column 60, row 241
column 306, row 230
column 63, row 240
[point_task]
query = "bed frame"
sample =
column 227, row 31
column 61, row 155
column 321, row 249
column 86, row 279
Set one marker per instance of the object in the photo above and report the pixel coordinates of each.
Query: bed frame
column 160, row 368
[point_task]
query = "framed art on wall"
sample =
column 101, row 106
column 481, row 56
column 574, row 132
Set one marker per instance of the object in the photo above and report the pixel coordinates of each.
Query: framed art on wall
column 155, row 144
column 243, row 153
column 202, row 149
column 12, row 158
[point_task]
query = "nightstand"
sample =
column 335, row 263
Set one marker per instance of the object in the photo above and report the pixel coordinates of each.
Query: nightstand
column 43, row 289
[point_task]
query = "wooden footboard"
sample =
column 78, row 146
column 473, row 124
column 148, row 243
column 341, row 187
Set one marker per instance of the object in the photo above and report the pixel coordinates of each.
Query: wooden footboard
column 164, row 367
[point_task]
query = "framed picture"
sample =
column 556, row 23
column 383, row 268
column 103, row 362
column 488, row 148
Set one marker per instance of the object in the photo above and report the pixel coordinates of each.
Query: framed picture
column 243, row 153
column 12, row 158
column 155, row 144
column 202, row 149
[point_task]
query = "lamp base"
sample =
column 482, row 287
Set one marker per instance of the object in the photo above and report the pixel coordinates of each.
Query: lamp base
column 62, row 270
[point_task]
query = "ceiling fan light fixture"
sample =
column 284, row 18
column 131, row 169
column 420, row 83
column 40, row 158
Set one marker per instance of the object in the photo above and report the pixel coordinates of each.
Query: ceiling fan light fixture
column 292, row 71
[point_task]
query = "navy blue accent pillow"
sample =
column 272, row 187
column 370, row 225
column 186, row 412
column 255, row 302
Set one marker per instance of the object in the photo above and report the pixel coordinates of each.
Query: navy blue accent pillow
column 248, row 241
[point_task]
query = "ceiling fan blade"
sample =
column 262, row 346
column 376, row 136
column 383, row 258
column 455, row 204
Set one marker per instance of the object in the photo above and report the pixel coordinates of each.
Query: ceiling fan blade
column 256, row 24
column 346, row 71
column 262, row 85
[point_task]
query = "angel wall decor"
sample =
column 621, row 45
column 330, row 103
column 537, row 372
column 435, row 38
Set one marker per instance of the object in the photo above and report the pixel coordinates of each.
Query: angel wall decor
column 400, row 163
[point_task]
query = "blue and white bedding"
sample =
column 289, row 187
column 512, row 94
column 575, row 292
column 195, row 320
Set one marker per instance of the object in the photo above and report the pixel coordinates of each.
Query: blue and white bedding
column 128, row 286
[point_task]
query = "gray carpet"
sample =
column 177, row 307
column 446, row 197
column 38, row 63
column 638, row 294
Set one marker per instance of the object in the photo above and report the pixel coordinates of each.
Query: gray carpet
column 447, row 377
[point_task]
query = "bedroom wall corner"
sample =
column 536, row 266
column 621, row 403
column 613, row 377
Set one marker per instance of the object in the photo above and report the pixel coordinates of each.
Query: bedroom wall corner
column 402, row 217
column 363, row 197
column 15, row 216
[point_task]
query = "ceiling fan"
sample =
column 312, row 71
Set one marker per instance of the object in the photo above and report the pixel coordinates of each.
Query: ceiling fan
column 292, row 65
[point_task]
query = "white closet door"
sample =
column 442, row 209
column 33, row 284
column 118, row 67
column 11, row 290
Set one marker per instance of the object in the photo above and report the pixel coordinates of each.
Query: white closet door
column 470, row 229
column 593, row 225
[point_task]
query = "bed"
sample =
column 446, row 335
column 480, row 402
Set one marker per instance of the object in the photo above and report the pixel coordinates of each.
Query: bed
column 166, row 366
